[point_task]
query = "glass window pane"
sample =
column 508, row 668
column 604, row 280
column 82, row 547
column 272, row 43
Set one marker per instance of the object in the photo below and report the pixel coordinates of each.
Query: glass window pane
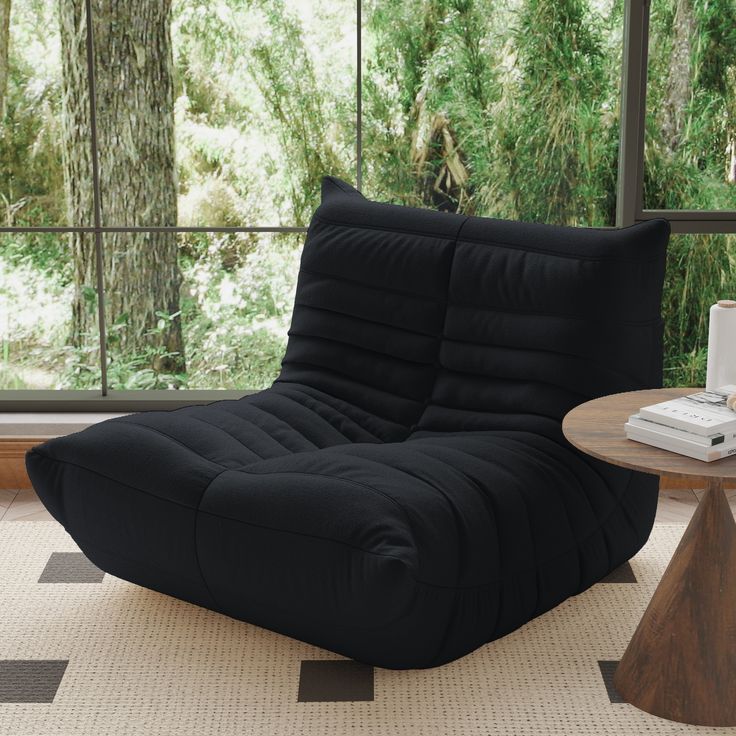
column 701, row 269
column 44, row 130
column 690, row 153
column 48, row 313
column 224, row 113
column 202, row 310
column 496, row 109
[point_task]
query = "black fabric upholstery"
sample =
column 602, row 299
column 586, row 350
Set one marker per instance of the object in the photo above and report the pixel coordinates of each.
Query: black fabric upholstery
column 403, row 493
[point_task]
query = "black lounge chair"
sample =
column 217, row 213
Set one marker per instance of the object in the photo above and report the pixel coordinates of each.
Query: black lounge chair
column 403, row 493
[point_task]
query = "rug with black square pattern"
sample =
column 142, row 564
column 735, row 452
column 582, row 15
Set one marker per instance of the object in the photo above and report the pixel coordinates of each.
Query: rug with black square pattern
column 82, row 652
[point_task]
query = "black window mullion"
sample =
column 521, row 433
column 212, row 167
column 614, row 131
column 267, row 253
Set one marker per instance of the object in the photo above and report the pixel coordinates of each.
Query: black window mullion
column 97, row 222
column 359, row 98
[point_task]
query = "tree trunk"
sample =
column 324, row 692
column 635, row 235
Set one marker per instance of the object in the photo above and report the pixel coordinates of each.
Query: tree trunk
column 4, row 54
column 135, row 133
column 77, row 163
column 680, row 80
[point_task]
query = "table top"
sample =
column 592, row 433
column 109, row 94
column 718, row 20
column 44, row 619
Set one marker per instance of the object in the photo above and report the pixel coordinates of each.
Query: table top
column 597, row 428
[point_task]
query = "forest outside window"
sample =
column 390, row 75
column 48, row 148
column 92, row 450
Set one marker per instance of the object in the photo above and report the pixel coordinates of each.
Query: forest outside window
column 690, row 145
column 192, row 171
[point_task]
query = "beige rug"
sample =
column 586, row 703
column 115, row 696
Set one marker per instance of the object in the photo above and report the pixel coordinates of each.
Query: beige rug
column 100, row 656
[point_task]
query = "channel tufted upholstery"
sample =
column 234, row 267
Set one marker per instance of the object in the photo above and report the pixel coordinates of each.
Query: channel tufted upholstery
column 403, row 493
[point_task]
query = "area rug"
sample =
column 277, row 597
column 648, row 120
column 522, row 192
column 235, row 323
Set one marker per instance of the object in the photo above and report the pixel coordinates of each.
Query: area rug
column 86, row 653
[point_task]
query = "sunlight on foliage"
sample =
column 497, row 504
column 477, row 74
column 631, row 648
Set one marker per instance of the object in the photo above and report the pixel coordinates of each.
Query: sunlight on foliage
column 34, row 324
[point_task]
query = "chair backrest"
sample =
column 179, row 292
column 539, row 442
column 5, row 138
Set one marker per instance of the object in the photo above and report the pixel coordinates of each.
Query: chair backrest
column 443, row 322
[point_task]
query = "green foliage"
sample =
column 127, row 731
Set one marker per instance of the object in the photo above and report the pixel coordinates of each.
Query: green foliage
column 689, row 126
column 31, row 180
column 553, row 136
column 34, row 316
column 298, row 104
column 44, row 252
column 494, row 109
column 235, row 322
column 429, row 85
column 700, row 270
column 265, row 98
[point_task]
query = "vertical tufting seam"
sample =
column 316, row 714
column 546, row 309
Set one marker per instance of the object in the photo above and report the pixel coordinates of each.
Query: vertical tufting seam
column 356, row 415
column 441, row 334
column 252, row 424
column 322, row 408
column 224, row 431
column 427, row 400
column 196, row 545
column 313, row 413
column 296, row 431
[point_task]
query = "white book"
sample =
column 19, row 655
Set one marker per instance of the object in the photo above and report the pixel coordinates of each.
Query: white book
column 710, row 440
column 703, row 413
column 697, row 452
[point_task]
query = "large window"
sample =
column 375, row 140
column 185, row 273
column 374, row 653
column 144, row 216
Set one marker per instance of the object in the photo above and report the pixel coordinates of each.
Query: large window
column 160, row 164
column 160, row 161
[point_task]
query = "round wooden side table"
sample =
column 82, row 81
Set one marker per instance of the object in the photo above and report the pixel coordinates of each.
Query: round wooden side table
column 681, row 661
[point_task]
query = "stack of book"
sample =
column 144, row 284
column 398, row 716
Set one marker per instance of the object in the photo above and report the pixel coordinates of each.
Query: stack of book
column 700, row 425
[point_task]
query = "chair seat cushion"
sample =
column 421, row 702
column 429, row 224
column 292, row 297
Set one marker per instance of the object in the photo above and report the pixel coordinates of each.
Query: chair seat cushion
column 403, row 553
column 403, row 493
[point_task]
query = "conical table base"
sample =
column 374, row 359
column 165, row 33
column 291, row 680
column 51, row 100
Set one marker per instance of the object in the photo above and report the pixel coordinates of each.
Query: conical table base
column 681, row 662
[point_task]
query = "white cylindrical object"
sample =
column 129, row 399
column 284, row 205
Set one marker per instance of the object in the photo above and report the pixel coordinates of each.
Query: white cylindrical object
column 721, row 345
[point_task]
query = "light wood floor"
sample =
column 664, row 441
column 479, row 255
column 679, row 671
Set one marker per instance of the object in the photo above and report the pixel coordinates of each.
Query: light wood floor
column 22, row 505
column 678, row 506
column 674, row 506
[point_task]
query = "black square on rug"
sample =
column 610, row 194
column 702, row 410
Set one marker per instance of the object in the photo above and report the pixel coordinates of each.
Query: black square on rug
column 333, row 680
column 70, row 567
column 622, row 574
column 30, row 680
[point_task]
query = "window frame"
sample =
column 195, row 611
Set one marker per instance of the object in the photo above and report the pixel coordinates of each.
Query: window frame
column 629, row 210
column 630, row 190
